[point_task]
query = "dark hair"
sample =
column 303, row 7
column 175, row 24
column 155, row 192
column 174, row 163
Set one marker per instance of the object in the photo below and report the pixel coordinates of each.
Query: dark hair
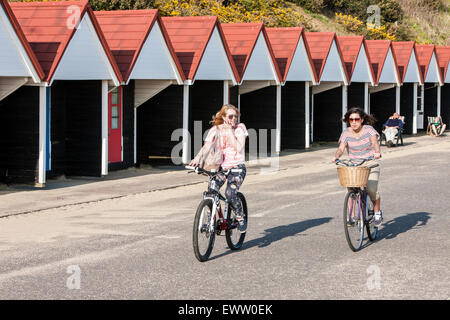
column 366, row 118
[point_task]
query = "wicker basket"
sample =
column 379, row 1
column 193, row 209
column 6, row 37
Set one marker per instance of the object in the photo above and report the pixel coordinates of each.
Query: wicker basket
column 353, row 176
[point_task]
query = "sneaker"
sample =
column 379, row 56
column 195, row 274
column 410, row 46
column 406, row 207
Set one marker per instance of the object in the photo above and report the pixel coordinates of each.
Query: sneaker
column 242, row 225
column 378, row 218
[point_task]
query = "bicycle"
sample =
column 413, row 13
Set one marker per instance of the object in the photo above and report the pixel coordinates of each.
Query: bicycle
column 356, row 213
column 210, row 220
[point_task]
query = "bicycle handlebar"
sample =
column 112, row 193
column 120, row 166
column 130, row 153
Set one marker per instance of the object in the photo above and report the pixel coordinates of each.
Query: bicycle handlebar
column 199, row 170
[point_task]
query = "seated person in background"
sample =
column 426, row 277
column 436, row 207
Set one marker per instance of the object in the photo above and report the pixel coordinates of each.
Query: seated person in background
column 438, row 128
column 391, row 128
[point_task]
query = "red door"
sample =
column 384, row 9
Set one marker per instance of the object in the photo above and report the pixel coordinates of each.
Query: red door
column 115, row 125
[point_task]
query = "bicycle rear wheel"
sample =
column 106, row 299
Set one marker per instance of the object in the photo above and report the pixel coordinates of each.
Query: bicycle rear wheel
column 353, row 221
column 234, row 237
column 203, row 238
column 372, row 230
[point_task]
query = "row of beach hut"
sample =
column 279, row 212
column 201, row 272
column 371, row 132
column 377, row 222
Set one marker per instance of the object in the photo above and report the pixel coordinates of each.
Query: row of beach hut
column 85, row 92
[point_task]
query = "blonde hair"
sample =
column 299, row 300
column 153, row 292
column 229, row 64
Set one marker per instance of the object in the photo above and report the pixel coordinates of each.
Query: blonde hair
column 217, row 119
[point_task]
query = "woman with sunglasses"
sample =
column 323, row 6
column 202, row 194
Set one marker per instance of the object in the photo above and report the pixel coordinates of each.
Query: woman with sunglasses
column 361, row 141
column 232, row 142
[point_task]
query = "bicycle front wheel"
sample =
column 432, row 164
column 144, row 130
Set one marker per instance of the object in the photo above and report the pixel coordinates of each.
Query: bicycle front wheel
column 234, row 237
column 353, row 221
column 203, row 237
column 372, row 230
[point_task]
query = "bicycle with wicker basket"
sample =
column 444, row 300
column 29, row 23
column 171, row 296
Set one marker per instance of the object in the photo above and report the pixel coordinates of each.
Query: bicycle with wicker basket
column 358, row 208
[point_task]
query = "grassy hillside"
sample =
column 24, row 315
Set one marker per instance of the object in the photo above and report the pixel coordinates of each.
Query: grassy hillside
column 425, row 21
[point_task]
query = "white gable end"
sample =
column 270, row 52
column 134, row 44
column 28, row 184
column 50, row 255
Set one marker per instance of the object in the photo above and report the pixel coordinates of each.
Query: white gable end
column 300, row 69
column 260, row 66
column 389, row 74
column 14, row 61
column 433, row 71
column 333, row 70
column 214, row 64
column 362, row 73
column 85, row 58
column 154, row 60
column 412, row 72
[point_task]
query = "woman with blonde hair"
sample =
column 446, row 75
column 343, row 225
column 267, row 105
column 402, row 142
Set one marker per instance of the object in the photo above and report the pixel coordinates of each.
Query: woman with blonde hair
column 232, row 136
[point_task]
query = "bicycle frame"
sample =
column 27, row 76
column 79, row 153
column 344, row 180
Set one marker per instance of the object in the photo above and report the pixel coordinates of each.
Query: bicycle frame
column 362, row 200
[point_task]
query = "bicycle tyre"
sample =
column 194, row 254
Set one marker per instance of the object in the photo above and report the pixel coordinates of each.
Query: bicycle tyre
column 355, row 232
column 198, row 223
column 229, row 232
column 371, row 229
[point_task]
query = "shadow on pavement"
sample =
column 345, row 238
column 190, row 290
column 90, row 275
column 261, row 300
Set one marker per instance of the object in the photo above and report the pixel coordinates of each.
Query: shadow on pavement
column 278, row 233
column 402, row 224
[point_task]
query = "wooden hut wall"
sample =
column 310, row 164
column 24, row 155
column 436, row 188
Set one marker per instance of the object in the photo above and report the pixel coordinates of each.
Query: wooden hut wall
column 430, row 102
column 127, row 128
column 293, row 115
column 445, row 104
column 156, row 121
column 355, row 95
column 205, row 99
column 19, row 136
column 76, row 128
column 407, row 106
column 328, row 115
column 382, row 106
column 258, row 111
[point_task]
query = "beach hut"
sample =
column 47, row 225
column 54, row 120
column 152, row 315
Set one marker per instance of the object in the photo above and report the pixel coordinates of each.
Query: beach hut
column 359, row 71
column 140, row 123
column 385, row 95
column 78, row 68
column 295, row 66
column 430, row 93
column 410, row 79
column 329, row 98
column 443, row 57
column 210, row 74
column 23, row 106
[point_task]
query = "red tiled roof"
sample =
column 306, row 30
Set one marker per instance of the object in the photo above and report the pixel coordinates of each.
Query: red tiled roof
column 284, row 42
column 378, row 51
column 15, row 24
column 319, row 44
column 424, row 53
column 402, row 51
column 189, row 37
column 350, row 47
column 241, row 39
column 126, row 32
column 443, row 57
column 45, row 27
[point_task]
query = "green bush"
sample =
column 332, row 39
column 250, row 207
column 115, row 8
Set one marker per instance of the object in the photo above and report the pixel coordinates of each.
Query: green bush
column 311, row 5
column 121, row 4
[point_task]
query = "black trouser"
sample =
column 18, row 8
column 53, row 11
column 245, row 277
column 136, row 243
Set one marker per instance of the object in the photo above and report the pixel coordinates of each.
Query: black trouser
column 235, row 180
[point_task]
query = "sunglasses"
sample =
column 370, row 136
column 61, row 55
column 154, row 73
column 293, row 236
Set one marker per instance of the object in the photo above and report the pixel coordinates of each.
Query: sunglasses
column 354, row 119
column 231, row 116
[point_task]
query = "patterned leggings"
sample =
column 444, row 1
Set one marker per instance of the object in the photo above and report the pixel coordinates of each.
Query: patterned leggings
column 235, row 180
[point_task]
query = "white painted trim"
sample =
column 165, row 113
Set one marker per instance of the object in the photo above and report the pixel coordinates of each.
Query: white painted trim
column 21, row 49
column 414, row 128
column 104, row 157
column 13, row 85
column 144, row 90
column 312, row 118
column 397, row 99
column 325, row 86
column 252, row 85
column 278, row 120
column 226, row 92
column 186, row 136
column 307, row 116
column 438, row 101
column 382, row 87
column 135, row 136
column 366, row 98
column 344, row 104
column 42, row 135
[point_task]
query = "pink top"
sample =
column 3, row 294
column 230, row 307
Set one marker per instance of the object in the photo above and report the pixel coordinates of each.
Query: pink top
column 232, row 158
column 359, row 148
